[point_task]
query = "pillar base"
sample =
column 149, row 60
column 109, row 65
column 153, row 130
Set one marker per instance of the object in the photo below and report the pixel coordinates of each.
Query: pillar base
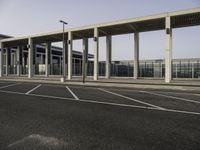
column 167, row 81
column 62, row 79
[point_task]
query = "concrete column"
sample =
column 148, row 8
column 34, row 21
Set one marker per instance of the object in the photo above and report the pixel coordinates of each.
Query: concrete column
column 7, row 60
column 47, row 58
column 30, row 58
column 192, row 70
column 19, row 55
column 70, row 47
column 84, row 58
column 64, row 60
column 62, row 79
column 136, row 55
column 168, row 50
column 34, row 58
column 1, row 60
column 96, row 54
column 66, row 57
column 51, row 60
column 108, row 55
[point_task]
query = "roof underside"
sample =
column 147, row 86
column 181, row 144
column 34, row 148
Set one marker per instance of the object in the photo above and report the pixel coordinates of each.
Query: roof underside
column 116, row 28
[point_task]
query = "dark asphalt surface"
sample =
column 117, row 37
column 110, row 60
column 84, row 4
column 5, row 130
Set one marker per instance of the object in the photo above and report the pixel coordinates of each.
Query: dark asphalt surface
column 162, row 101
column 74, row 125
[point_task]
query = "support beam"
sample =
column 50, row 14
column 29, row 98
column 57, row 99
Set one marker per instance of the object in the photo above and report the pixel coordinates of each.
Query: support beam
column 64, row 60
column 47, row 58
column 168, row 50
column 30, row 58
column 84, row 58
column 96, row 54
column 70, row 47
column 136, row 55
column 34, row 58
column 108, row 55
column 1, row 60
column 7, row 60
column 19, row 55
column 66, row 57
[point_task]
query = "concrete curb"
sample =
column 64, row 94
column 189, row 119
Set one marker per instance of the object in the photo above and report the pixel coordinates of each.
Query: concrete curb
column 144, row 85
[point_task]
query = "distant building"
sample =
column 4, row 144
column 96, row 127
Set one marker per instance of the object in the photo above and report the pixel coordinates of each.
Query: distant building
column 181, row 68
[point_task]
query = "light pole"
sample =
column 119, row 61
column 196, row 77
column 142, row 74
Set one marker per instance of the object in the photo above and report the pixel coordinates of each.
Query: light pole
column 63, row 70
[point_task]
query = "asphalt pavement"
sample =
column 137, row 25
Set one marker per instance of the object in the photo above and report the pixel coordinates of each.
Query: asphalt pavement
column 65, row 117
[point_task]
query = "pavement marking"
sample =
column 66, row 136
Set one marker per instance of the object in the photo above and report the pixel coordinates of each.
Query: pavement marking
column 33, row 89
column 105, row 103
column 140, row 90
column 174, row 97
column 180, row 93
column 132, row 99
column 182, row 111
column 197, row 94
column 72, row 93
column 2, row 87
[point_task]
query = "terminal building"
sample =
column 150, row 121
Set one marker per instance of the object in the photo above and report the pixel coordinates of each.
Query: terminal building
column 34, row 55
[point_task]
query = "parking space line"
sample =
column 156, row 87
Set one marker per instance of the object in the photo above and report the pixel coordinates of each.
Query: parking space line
column 129, row 98
column 33, row 89
column 197, row 94
column 2, row 87
column 180, row 93
column 105, row 103
column 174, row 97
column 72, row 93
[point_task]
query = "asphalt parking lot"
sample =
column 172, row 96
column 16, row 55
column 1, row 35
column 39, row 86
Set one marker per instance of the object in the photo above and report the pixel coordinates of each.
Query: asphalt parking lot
column 47, row 116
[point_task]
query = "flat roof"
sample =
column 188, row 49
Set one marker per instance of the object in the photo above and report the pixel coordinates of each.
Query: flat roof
column 183, row 18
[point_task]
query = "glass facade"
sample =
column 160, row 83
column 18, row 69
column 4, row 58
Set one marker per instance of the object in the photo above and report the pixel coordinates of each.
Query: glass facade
column 121, row 69
column 152, row 69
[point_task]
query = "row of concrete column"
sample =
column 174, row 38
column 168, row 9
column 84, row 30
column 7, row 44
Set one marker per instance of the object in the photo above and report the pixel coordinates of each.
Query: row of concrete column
column 67, row 54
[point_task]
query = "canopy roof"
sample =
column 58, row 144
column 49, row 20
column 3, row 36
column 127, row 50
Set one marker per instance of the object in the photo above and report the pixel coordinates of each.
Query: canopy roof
column 184, row 18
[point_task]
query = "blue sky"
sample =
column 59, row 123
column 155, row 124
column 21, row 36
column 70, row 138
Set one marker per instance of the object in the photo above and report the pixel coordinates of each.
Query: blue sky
column 26, row 17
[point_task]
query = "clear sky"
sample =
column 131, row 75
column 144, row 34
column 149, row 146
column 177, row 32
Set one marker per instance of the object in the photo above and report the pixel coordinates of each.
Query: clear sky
column 26, row 17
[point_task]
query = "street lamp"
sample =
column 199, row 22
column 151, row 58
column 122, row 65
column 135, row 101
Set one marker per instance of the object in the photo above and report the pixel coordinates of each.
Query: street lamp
column 63, row 73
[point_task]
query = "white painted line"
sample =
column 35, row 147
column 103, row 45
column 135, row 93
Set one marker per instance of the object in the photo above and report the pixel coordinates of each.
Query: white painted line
column 182, row 111
column 197, row 94
column 33, row 89
column 2, row 87
column 129, row 98
column 134, row 90
column 173, row 97
column 179, row 93
column 72, row 93
column 104, row 103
